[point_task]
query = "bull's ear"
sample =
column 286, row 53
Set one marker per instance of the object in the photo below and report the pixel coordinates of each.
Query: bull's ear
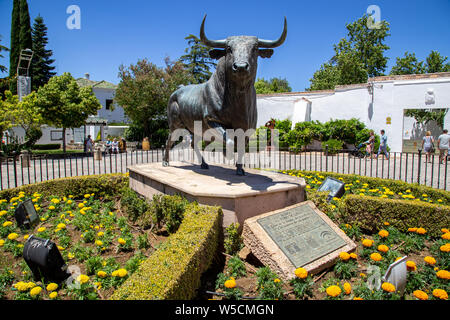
column 265, row 53
column 216, row 53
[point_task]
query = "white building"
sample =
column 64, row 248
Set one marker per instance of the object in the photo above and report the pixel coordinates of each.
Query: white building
column 379, row 103
column 110, row 113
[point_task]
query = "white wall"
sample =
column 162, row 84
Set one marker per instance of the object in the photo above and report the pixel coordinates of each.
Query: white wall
column 390, row 98
column 116, row 115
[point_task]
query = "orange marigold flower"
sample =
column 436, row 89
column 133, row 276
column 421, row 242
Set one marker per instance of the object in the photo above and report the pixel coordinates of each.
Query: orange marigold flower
column 441, row 294
column 383, row 248
column 376, row 256
column 430, row 260
column 367, row 243
column 358, row 298
column 347, row 288
column 421, row 295
column 446, row 236
column 353, row 255
column 421, row 231
column 333, row 291
column 411, row 266
column 412, row 229
column 445, row 230
column 344, row 256
column 443, row 274
column 230, row 284
column 383, row 233
column 388, row 287
column 445, row 247
column 301, row 273
column 386, row 223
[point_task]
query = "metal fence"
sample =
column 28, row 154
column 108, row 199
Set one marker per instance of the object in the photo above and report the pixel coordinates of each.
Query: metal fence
column 408, row 167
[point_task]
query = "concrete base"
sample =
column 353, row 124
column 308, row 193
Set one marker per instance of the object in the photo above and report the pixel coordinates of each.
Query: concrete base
column 240, row 197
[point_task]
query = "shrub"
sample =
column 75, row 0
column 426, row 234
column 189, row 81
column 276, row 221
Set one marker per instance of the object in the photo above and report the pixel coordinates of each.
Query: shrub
column 370, row 212
column 334, row 146
column 133, row 204
column 48, row 146
column 236, row 267
column 233, row 240
column 169, row 210
column 175, row 269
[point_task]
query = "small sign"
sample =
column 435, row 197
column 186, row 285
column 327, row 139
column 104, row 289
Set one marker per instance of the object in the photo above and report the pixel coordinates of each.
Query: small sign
column 301, row 234
column 336, row 187
column 388, row 120
column 25, row 214
column 397, row 274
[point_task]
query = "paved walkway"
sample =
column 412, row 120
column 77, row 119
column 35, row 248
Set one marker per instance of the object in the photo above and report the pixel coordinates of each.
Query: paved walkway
column 403, row 167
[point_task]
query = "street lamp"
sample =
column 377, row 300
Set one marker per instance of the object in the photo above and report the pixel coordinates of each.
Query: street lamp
column 23, row 78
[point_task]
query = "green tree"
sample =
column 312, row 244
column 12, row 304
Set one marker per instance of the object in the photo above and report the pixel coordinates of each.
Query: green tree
column 197, row 60
column 20, row 37
column 435, row 62
column 2, row 48
column 356, row 57
column 63, row 104
column 41, row 63
column 408, row 64
column 274, row 85
column 144, row 91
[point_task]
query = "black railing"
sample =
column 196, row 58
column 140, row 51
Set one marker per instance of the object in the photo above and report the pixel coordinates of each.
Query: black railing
column 408, row 167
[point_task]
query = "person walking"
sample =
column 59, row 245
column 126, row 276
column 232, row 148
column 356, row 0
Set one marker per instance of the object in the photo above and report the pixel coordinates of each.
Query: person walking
column 370, row 144
column 443, row 145
column 428, row 145
column 383, row 145
column 89, row 144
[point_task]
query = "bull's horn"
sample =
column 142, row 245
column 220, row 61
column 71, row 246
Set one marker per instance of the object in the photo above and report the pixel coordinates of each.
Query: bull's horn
column 274, row 43
column 206, row 41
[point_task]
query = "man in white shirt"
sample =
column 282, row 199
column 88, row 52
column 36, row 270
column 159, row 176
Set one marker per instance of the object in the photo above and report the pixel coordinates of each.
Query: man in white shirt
column 443, row 144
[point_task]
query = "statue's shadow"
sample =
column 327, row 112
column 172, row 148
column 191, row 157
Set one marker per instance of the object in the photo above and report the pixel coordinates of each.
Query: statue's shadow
column 255, row 181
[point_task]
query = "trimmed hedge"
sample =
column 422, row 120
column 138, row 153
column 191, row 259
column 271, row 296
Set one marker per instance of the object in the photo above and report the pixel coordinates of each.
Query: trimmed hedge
column 48, row 146
column 394, row 185
column 105, row 185
column 174, row 270
column 370, row 212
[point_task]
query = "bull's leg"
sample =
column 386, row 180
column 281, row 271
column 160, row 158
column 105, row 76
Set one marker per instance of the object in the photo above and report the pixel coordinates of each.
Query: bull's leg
column 239, row 170
column 203, row 164
column 229, row 143
column 169, row 144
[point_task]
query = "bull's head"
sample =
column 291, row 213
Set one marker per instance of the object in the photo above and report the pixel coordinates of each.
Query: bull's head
column 241, row 52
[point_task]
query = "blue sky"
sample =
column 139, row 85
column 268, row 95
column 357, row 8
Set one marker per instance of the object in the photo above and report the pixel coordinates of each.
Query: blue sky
column 121, row 32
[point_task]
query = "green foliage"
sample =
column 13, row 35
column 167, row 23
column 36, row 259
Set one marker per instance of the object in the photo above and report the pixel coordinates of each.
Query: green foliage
column 423, row 116
column 302, row 288
column 236, row 267
column 345, row 269
column 134, row 205
column 175, row 269
column 41, row 62
column 6, row 279
column 197, row 60
column 142, row 241
column 435, row 62
column 93, row 264
column 274, row 85
column 2, row 48
column 134, row 262
column 233, row 240
column 269, row 286
column 144, row 90
column 168, row 210
column 333, row 146
column 408, row 65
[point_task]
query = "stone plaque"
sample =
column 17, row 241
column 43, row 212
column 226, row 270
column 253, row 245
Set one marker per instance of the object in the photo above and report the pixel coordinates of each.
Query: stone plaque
column 301, row 234
column 296, row 236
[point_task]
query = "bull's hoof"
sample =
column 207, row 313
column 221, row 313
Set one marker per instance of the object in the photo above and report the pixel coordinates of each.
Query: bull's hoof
column 240, row 172
column 204, row 165
column 165, row 163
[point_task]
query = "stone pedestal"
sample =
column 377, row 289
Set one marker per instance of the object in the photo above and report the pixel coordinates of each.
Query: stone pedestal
column 241, row 197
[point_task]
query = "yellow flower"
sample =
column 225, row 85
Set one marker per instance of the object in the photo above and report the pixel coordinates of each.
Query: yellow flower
column 3, row 212
column 388, row 287
column 383, row 233
column 441, row 294
column 358, row 298
column 301, row 273
column 446, row 236
column 70, row 255
column 52, row 287
column 80, row 205
column 101, row 274
column 347, row 288
column 421, row 295
column 53, row 295
column 376, row 256
column 276, row 280
column 230, row 284
column 100, row 234
column 51, row 208
column 7, row 223
column 443, row 274
column 121, row 241
column 344, row 256
column 430, row 260
column 82, row 278
column 87, row 196
column 445, row 230
column 411, row 266
column 122, row 273
column 2, row 242
column 386, row 223
column 21, row 286
column 445, row 247
column 412, row 229
column 35, row 291
column 61, row 226
column 69, row 201
column 41, row 229
column 367, row 243
column 383, row 248
column 55, row 201
column 353, row 255
column 13, row 236
column 333, row 291
column 99, row 242
column 421, row 231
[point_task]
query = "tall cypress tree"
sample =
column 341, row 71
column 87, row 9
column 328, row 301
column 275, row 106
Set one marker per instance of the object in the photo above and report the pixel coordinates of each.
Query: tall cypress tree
column 41, row 63
column 15, row 39
column 25, row 26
